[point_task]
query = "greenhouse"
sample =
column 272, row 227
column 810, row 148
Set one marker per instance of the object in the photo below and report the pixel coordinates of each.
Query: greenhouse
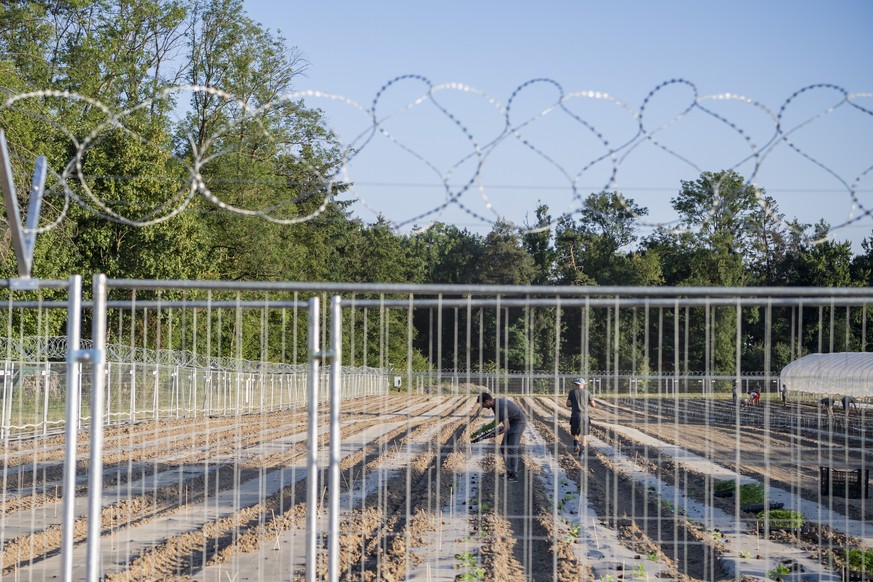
column 844, row 373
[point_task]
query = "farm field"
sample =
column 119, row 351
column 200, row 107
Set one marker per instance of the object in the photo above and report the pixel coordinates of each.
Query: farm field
column 224, row 498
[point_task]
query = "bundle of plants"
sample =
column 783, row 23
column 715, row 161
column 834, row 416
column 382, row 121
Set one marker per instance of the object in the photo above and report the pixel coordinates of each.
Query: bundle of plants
column 782, row 518
column 487, row 431
column 724, row 488
column 753, row 498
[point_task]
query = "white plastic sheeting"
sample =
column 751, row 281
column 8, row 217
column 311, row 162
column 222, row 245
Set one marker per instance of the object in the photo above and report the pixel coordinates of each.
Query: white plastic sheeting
column 843, row 373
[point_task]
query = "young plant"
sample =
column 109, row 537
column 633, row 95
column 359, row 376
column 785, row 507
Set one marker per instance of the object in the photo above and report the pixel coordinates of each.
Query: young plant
column 860, row 560
column 717, row 535
column 574, row 530
column 778, row 571
column 475, row 574
column 639, row 571
column 467, row 559
column 652, row 557
column 744, row 554
column 485, row 506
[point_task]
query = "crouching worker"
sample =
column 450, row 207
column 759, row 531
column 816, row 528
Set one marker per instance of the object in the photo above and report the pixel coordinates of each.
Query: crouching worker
column 514, row 421
column 579, row 399
column 826, row 405
column 849, row 403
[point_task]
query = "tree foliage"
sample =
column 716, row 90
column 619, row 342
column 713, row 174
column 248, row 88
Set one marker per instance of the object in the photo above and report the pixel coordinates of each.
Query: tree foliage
column 275, row 162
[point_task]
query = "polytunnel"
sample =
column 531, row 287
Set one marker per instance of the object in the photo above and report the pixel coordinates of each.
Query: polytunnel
column 843, row 373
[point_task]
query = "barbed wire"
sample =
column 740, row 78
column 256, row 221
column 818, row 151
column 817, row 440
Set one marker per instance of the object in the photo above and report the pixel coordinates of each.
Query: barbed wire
column 193, row 176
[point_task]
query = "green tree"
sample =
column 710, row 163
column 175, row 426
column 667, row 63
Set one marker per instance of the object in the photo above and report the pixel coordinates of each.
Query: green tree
column 537, row 244
column 504, row 260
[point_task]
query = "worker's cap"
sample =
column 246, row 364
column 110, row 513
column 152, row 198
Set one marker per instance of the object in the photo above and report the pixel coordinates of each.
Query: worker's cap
column 579, row 381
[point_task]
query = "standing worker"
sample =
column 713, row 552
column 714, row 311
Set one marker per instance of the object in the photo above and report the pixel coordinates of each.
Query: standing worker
column 579, row 399
column 514, row 421
column 783, row 392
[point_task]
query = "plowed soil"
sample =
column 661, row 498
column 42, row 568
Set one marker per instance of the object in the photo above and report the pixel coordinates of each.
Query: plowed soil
column 225, row 498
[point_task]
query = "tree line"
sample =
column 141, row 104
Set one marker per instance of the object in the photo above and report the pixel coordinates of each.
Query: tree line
column 278, row 163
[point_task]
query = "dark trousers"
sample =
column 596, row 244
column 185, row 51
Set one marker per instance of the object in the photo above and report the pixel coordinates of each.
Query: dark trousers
column 511, row 446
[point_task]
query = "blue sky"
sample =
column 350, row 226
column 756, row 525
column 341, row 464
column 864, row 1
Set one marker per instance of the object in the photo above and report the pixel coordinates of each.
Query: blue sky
column 425, row 166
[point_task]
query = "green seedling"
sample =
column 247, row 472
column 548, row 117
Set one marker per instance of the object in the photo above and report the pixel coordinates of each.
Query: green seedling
column 778, row 571
column 607, row 578
column 860, row 560
column 467, row 559
column 745, row 554
column 717, row 535
column 485, row 506
column 639, row 571
column 477, row 574
column 652, row 557
column 574, row 530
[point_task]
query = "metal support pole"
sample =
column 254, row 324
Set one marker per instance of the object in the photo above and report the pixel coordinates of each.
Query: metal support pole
column 314, row 333
column 23, row 239
column 95, row 475
column 74, row 313
column 334, row 470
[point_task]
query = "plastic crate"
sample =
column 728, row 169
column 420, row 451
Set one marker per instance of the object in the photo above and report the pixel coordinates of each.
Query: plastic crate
column 845, row 482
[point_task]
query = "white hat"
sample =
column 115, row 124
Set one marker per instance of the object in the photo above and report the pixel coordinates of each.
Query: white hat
column 579, row 381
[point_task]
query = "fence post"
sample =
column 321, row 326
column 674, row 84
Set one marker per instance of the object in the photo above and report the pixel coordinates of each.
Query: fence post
column 335, row 397
column 45, row 400
column 314, row 333
column 74, row 313
column 7, row 372
column 95, row 475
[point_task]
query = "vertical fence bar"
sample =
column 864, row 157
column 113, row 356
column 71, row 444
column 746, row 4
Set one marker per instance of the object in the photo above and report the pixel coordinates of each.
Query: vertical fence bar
column 95, row 476
column 336, row 342
column 312, row 437
column 45, row 399
column 74, row 311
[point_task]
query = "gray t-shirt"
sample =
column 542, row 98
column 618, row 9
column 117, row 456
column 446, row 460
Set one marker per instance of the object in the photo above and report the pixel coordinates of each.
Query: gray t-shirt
column 507, row 409
column 578, row 400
